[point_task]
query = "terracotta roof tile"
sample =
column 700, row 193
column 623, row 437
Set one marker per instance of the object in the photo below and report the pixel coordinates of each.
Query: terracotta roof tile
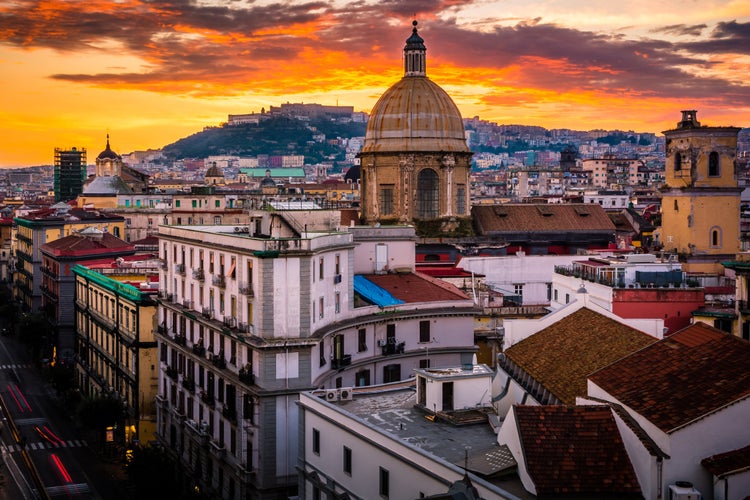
column 416, row 287
column 561, row 356
column 575, row 450
column 685, row 376
column 726, row 464
column 515, row 218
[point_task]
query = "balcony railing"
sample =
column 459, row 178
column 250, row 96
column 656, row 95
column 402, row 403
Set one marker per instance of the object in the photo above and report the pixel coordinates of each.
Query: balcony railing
column 229, row 322
column 179, row 268
column 172, row 373
column 394, row 348
column 218, row 361
column 207, row 399
column 199, row 350
column 229, row 413
column 187, row 304
column 341, row 362
column 198, row 274
column 247, row 376
column 180, row 339
column 207, row 313
column 219, row 281
column 247, row 289
column 189, row 384
column 245, row 328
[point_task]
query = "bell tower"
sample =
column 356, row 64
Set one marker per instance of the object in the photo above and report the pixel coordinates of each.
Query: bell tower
column 701, row 197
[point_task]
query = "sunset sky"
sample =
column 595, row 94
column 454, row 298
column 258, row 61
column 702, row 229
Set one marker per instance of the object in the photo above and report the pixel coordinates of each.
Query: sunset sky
column 151, row 72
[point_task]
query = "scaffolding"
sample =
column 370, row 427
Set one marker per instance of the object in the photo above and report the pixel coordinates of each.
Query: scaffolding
column 70, row 173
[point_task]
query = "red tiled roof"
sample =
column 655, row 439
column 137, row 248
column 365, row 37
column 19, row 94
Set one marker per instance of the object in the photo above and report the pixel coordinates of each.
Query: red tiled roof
column 688, row 375
column 416, row 287
column 726, row 464
column 561, row 356
column 516, row 218
column 78, row 244
column 575, row 450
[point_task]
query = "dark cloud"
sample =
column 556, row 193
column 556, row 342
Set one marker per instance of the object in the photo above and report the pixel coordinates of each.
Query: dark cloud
column 197, row 48
column 682, row 30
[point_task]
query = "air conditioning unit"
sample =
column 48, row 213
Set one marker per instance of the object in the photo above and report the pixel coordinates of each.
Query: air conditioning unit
column 332, row 395
column 192, row 423
column 241, row 229
column 381, row 342
column 346, row 394
column 683, row 490
column 204, row 427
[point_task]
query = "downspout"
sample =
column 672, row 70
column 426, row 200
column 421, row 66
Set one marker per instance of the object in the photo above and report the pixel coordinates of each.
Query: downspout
column 659, row 466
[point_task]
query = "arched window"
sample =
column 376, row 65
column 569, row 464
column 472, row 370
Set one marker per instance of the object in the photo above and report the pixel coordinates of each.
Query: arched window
column 427, row 194
column 713, row 164
column 715, row 237
column 677, row 162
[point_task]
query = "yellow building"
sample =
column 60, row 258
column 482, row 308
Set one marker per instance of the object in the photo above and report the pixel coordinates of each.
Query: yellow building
column 415, row 161
column 116, row 350
column 701, row 199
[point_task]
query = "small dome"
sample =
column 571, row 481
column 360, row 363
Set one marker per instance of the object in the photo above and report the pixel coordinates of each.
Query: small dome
column 353, row 174
column 108, row 154
column 214, row 171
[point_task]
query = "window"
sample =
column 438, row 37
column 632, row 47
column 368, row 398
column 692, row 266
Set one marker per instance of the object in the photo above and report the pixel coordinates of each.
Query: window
column 338, row 302
column 321, row 350
column 347, row 461
column 424, row 331
column 549, row 291
column 316, row 441
column 461, row 199
column 217, row 204
column 217, row 219
column 320, row 268
column 567, row 298
column 427, row 194
column 338, row 264
column 386, row 199
column 715, row 237
column 321, row 308
column 177, row 203
column 384, row 486
column 518, row 289
column 677, row 162
column 713, row 164
column 361, row 340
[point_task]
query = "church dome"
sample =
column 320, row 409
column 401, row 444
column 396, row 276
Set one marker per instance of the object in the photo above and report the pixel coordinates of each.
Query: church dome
column 214, row 171
column 415, row 114
column 108, row 154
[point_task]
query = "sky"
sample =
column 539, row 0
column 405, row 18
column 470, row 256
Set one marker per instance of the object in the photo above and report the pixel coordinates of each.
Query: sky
column 151, row 72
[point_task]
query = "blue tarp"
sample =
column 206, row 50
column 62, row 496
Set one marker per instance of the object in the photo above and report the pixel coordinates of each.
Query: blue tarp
column 374, row 293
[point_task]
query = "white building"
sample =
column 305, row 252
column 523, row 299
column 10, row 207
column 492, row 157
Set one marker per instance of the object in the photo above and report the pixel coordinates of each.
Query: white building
column 251, row 317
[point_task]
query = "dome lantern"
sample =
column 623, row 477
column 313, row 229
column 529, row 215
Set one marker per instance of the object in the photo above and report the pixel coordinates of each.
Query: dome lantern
column 415, row 55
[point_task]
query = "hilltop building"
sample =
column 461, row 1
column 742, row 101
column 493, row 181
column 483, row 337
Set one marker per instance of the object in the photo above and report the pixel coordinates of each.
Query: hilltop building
column 701, row 199
column 415, row 161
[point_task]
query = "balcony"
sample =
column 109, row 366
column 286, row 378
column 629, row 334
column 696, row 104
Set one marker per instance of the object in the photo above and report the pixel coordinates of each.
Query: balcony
column 245, row 328
column 172, row 373
column 162, row 329
column 207, row 399
column 229, row 413
column 199, row 350
column 189, row 384
column 207, row 313
column 247, row 376
column 219, row 281
column 187, row 304
column 229, row 322
column 343, row 361
column 218, row 361
column 198, row 274
column 336, row 279
column 393, row 348
column 247, row 289
column 180, row 269
column 180, row 340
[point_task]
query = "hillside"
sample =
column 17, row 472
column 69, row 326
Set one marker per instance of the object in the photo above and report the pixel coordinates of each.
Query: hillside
column 275, row 136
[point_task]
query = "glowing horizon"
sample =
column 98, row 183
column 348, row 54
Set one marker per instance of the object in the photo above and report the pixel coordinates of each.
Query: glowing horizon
column 152, row 73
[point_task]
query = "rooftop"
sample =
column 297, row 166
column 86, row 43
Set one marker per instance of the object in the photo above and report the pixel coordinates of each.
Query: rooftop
column 561, row 356
column 688, row 375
